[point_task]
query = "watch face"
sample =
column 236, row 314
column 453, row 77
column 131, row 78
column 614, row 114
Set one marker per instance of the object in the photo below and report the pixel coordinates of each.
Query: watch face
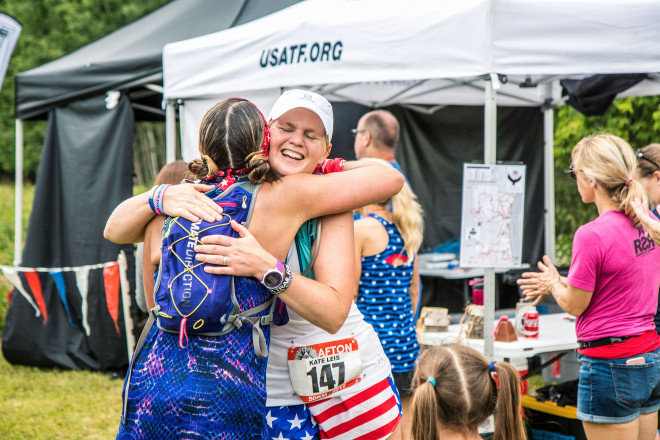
column 273, row 279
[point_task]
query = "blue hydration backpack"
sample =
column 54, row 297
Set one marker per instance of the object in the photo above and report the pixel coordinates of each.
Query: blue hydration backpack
column 190, row 300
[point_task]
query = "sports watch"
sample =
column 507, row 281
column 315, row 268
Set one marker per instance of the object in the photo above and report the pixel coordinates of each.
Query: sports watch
column 275, row 277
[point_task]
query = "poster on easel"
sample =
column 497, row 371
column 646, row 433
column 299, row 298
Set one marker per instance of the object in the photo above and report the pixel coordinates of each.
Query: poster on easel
column 492, row 215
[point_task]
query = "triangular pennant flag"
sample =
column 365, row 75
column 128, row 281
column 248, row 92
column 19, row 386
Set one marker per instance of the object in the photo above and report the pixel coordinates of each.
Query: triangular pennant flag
column 126, row 303
column 12, row 276
column 111, row 281
column 82, row 282
column 35, row 285
column 61, row 289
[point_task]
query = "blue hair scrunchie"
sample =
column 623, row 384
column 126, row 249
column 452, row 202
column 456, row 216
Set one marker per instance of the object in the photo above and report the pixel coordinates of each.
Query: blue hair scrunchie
column 491, row 367
column 432, row 380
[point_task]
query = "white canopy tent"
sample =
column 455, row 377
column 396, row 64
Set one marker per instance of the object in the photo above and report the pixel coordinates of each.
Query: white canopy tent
column 418, row 52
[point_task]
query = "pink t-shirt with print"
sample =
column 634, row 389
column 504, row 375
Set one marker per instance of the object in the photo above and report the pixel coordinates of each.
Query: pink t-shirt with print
column 621, row 266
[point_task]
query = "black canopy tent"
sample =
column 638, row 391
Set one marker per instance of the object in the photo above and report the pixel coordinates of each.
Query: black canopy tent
column 86, row 170
column 131, row 57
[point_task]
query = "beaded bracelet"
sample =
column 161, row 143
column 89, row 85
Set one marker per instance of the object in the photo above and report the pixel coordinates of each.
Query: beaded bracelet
column 160, row 199
column 156, row 198
column 162, row 196
column 151, row 197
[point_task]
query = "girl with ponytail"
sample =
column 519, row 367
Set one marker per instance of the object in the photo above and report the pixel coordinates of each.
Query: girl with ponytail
column 612, row 289
column 455, row 392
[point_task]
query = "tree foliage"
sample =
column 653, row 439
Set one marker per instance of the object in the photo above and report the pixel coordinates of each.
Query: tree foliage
column 51, row 29
column 636, row 120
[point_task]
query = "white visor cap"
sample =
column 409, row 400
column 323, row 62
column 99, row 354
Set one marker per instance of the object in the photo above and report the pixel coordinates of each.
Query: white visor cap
column 314, row 102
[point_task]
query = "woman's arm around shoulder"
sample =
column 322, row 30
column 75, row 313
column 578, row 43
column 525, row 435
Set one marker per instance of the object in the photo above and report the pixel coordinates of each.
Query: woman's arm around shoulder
column 129, row 219
column 316, row 196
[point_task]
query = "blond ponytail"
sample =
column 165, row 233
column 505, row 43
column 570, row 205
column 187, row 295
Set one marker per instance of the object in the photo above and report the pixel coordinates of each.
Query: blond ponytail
column 407, row 214
column 611, row 161
column 408, row 218
column 633, row 190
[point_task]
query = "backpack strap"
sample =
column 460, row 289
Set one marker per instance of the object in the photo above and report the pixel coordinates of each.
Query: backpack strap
column 315, row 250
column 236, row 320
column 145, row 331
column 305, row 248
column 258, row 338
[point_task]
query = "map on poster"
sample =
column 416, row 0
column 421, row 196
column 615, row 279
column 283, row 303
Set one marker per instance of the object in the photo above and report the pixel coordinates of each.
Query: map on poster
column 492, row 215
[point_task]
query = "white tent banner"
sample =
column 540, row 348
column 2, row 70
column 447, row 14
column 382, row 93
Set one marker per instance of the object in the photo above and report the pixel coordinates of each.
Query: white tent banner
column 333, row 42
column 351, row 42
column 382, row 52
column 9, row 32
column 580, row 37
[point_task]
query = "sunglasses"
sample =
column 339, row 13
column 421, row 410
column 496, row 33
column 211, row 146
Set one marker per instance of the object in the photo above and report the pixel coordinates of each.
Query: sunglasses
column 573, row 173
column 355, row 131
column 640, row 155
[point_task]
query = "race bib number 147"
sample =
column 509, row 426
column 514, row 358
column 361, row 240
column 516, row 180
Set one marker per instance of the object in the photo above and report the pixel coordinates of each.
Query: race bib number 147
column 319, row 370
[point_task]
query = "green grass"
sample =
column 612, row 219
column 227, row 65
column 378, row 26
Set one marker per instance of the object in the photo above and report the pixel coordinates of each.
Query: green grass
column 56, row 404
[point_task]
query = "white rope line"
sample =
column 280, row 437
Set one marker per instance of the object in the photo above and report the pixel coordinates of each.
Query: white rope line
column 59, row 269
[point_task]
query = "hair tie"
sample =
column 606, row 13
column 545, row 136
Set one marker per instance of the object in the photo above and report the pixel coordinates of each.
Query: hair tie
column 228, row 177
column 210, row 164
column 432, row 380
column 491, row 367
column 265, row 148
column 630, row 179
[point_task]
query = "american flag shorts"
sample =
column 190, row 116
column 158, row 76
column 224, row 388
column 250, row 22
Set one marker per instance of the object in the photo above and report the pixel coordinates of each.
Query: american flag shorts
column 371, row 414
column 293, row 422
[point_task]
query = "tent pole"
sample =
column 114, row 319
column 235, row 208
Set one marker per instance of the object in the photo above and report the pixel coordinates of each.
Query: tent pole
column 549, row 172
column 490, row 148
column 182, row 122
column 170, row 132
column 18, row 188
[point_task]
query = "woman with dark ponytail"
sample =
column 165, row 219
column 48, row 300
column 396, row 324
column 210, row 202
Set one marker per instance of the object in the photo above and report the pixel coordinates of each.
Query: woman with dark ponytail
column 214, row 387
column 648, row 174
column 455, row 392
column 612, row 289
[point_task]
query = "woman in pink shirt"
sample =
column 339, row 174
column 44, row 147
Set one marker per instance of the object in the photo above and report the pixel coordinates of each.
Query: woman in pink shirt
column 611, row 288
